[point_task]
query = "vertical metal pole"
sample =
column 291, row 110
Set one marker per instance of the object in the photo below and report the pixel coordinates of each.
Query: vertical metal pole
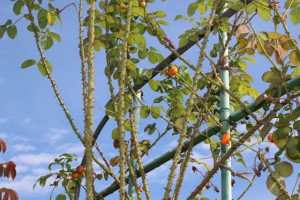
column 136, row 114
column 225, row 112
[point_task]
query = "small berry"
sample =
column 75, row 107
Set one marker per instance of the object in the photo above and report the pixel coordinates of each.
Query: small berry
column 143, row 4
column 74, row 175
column 140, row 189
column 79, row 169
column 225, row 139
column 172, row 71
column 270, row 138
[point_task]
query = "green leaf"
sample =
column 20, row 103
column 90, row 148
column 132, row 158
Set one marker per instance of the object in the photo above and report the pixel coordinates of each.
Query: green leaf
column 202, row 8
column 152, row 57
column 114, row 161
column 296, row 125
column 48, row 43
column 183, row 41
column 270, row 77
column 160, row 14
column 28, row 63
column 61, row 197
column 155, row 112
column 178, row 17
column 42, row 68
column 2, row 31
column 264, row 12
column 192, row 9
column 154, row 84
column 144, row 112
column 12, row 31
column 18, row 7
column 142, row 54
column 295, row 58
column 247, row 77
column 163, row 22
column 285, row 169
column 295, row 15
column 178, row 111
column 292, row 148
column 42, row 18
column 115, row 134
column 55, row 36
column 179, row 122
column 140, row 40
column 150, row 128
column 271, row 185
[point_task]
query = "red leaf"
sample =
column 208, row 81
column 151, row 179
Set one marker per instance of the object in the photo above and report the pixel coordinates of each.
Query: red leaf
column 2, row 146
column 10, row 170
column 12, row 194
column 1, row 170
column 5, row 196
column 8, row 194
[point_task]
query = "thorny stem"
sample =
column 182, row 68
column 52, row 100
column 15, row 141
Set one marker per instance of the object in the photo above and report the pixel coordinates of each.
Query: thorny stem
column 277, row 182
column 88, row 128
column 53, row 84
column 132, row 176
column 82, row 56
column 138, row 157
column 108, row 171
column 121, row 106
column 190, row 103
column 184, row 165
column 108, row 61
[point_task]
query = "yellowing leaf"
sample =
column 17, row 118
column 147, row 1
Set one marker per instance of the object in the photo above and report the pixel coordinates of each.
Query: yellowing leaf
column 274, row 35
column 295, row 58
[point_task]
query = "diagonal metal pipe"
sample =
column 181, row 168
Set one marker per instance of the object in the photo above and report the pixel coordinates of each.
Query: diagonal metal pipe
column 235, row 117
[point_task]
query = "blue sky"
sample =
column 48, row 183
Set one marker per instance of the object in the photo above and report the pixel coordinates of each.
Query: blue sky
column 36, row 130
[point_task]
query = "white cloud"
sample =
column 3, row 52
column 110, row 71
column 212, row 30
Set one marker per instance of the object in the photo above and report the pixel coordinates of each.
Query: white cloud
column 34, row 159
column 23, row 147
column 26, row 121
column 75, row 148
column 22, row 168
column 3, row 135
column 3, row 120
column 24, row 186
column 12, row 137
column 160, row 174
column 40, row 171
column 55, row 135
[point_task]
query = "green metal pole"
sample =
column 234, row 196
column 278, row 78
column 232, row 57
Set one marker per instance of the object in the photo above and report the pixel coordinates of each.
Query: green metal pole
column 224, row 117
column 136, row 105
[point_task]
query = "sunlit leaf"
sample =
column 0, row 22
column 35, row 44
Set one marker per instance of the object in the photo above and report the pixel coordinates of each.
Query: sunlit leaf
column 270, row 77
column 28, row 63
column 271, row 185
column 295, row 58
column 61, row 197
column 295, row 15
column 144, row 112
column 55, row 36
column 285, row 169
